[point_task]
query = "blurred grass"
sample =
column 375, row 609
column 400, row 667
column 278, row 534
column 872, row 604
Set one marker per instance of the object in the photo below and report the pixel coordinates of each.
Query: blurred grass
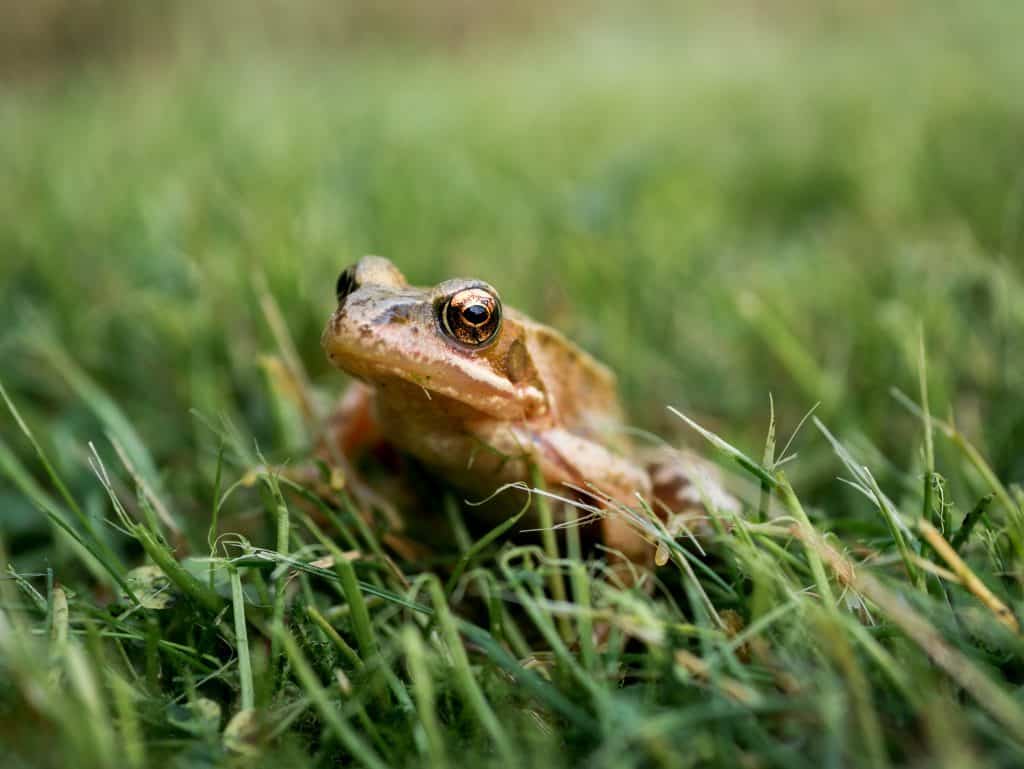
column 721, row 204
column 664, row 197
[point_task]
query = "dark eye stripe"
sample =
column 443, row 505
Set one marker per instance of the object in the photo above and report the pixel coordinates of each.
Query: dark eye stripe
column 346, row 283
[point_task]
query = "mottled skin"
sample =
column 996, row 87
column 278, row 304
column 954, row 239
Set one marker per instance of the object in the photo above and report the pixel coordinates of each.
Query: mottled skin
column 479, row 415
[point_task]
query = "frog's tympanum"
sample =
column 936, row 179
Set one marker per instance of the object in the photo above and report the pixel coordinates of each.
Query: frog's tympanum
column 477, row 392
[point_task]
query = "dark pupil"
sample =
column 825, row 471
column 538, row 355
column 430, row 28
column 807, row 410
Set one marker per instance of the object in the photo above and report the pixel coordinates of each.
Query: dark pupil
column 475, row 314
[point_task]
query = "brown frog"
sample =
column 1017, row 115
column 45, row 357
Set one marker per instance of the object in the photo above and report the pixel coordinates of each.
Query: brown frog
column 477, row 391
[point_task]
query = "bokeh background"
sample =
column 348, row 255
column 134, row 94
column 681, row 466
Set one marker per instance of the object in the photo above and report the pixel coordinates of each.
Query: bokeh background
column 721, row 200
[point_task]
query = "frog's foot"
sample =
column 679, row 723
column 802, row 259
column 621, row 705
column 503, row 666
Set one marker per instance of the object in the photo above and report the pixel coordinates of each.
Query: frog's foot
column 685, row 492
column 684, row 486
column 621, row 536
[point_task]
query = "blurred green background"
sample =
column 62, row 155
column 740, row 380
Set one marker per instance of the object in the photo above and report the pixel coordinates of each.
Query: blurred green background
column 721, row 201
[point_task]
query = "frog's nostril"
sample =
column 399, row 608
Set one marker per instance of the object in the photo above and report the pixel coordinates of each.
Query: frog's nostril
column 346, row 283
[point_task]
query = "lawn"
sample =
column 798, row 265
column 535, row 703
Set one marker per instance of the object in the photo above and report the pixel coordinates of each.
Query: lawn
column 747, row 215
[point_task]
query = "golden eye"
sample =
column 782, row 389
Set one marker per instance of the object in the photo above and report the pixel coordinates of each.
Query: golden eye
column 472, row 317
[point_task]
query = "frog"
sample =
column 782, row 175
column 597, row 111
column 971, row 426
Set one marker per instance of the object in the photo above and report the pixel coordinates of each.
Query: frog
column 488, row 399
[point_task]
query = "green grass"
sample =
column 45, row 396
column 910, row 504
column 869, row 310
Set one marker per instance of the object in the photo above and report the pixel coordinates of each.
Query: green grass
column 722, row 210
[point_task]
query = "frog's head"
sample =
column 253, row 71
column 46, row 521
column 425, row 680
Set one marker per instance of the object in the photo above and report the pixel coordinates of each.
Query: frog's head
column 454, row 340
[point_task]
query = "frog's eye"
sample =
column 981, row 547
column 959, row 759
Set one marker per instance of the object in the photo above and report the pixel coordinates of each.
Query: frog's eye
column 346, row 283
column 472, row 317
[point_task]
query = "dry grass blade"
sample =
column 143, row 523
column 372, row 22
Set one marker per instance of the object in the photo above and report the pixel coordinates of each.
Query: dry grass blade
column 967, row 577
column 1014, row 512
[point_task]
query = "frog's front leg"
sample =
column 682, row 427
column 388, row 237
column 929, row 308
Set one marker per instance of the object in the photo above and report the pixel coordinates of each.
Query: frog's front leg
column 567, row 458
column 352, row 426
column 353, row 433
